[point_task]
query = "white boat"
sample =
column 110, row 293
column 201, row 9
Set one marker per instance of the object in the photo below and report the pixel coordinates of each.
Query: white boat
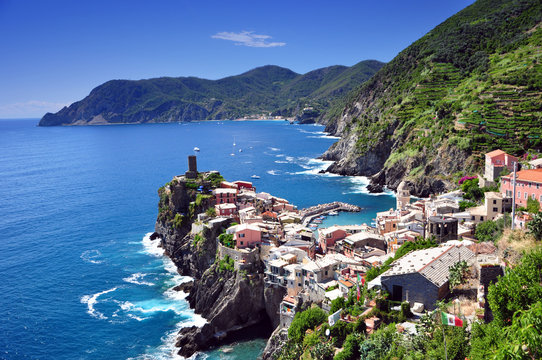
column 240, row 150
column 196, row 148
column 255, row 177
column 333, row 213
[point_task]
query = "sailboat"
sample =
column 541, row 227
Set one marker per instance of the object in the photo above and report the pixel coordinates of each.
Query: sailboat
column 233, row 150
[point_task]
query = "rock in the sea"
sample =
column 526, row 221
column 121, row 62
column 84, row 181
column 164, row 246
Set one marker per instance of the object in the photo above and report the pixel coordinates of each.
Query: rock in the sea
column 186, row 287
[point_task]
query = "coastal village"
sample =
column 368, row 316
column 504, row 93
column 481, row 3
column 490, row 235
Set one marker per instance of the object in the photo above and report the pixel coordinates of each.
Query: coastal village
column 316, row 265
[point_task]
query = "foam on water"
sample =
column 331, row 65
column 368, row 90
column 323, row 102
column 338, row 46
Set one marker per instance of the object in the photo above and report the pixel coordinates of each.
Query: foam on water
column 92, row 300
column 91, row 256
column 273, row 172
column 360, row 187
column 137, row 279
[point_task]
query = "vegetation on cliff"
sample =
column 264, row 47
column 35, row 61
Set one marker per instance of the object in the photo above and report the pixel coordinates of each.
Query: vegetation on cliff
column 267, row 89
column 472, row 84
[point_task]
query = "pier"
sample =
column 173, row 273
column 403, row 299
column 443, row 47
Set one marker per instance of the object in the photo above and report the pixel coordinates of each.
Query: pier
column 308, row 214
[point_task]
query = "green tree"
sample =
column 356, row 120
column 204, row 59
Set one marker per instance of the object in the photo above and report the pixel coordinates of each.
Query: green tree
column 533, row 206
column 322, row 351
column 305, row 320
column 471, row 190
column 486, row 231
column 517, row 289
column 338, row 303
column 535, row 226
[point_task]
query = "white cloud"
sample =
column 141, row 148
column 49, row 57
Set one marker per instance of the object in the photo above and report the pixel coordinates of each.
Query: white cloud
column 32, row 108
column 247, row 38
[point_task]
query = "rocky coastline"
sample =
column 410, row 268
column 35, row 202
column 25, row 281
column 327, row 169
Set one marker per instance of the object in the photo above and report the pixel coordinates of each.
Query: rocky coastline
column 236, row 303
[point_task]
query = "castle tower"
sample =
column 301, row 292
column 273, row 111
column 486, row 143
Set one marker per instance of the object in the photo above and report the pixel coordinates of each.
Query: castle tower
column 192, row 172
column 403, row 196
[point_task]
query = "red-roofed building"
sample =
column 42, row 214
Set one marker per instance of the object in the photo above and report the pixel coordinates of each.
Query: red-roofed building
column 496, row 162
column 270, row 216
column 528, row 184
column 247, row 185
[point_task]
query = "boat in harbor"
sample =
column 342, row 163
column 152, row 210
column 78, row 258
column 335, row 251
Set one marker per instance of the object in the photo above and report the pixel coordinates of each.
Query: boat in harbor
column 196, row 148
column 333, row 213
column 255, row 177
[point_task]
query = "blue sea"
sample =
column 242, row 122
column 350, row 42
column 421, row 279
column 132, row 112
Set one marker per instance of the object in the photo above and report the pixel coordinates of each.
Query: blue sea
column 79, row 278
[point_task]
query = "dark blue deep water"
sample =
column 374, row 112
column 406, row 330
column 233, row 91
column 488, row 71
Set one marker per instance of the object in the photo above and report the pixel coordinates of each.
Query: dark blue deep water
column 78, row 278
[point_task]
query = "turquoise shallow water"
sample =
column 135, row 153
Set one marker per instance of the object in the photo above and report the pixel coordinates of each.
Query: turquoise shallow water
column 79, row 280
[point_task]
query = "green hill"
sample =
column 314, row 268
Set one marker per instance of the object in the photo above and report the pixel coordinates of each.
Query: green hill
column 471, row 85
column 264, row 90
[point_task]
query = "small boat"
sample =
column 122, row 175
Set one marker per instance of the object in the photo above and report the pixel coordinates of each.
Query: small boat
column 317, row 221
column 196, row 148
column 227, row 350
column 255, row 177
column 232, row 154
column 240, row 150
column 333, row 213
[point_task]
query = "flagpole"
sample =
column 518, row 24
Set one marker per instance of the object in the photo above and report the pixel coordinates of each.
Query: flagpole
column 444, row 337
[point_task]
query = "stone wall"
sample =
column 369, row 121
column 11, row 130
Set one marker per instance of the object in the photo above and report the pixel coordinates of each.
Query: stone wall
column 418, row 287
column 244, row 259
column 489, row 275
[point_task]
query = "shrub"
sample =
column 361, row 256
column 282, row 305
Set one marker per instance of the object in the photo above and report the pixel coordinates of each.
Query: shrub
column 305, row 320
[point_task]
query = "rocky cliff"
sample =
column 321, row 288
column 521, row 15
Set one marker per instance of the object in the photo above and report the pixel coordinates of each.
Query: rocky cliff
column 471, row 85
column 232, row 301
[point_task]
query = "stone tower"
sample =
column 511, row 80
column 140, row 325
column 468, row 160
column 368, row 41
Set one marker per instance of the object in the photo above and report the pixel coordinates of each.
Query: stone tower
column 403, row 196
column 192, row 172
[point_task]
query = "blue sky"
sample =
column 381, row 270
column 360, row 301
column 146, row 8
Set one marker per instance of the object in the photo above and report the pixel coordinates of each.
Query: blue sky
column 54, row 52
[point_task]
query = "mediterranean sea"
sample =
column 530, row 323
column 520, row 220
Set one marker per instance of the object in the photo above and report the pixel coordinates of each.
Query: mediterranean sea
column 79, row 278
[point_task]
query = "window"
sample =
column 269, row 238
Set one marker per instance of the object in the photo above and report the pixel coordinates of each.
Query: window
column 495, row 210
column 530, row 184
column 526, row 195
column 241, row 243
column 519, row 194
column 494, row 202
column 533, row 196
column 299, row 284
column 481, row 218
column 241, row 235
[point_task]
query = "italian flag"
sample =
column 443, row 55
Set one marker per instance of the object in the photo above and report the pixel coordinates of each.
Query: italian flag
column 452, row 320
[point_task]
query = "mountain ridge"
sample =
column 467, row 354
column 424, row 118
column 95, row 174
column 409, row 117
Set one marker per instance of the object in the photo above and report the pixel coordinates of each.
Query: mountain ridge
column 267, row 89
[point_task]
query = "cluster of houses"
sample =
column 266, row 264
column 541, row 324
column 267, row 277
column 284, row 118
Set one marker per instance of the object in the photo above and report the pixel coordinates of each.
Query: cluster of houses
column 320, row 266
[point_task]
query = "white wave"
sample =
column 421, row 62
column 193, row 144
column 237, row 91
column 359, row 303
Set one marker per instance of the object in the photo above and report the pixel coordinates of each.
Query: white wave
column 273, row 172
column 360, row 187
column 280, row 155
column 324, row 137
column 91, row 300
column 314, row 166
column 274, row 149
column 289, row 158
column 152, row 247
column 137, row 279
column 91, row 256
column 281, row 162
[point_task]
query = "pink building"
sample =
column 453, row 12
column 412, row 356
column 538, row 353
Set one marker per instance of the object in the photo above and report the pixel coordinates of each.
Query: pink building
column 528, row 184
column 496, row 162
column 226, row 209
column 225, row 196
column 246, row 185
column 247, row 235
column 328, row 237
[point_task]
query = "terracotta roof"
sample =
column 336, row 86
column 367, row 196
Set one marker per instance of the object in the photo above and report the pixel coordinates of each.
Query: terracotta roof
column 346, row 283
column 534, row 175
column 495, row 153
